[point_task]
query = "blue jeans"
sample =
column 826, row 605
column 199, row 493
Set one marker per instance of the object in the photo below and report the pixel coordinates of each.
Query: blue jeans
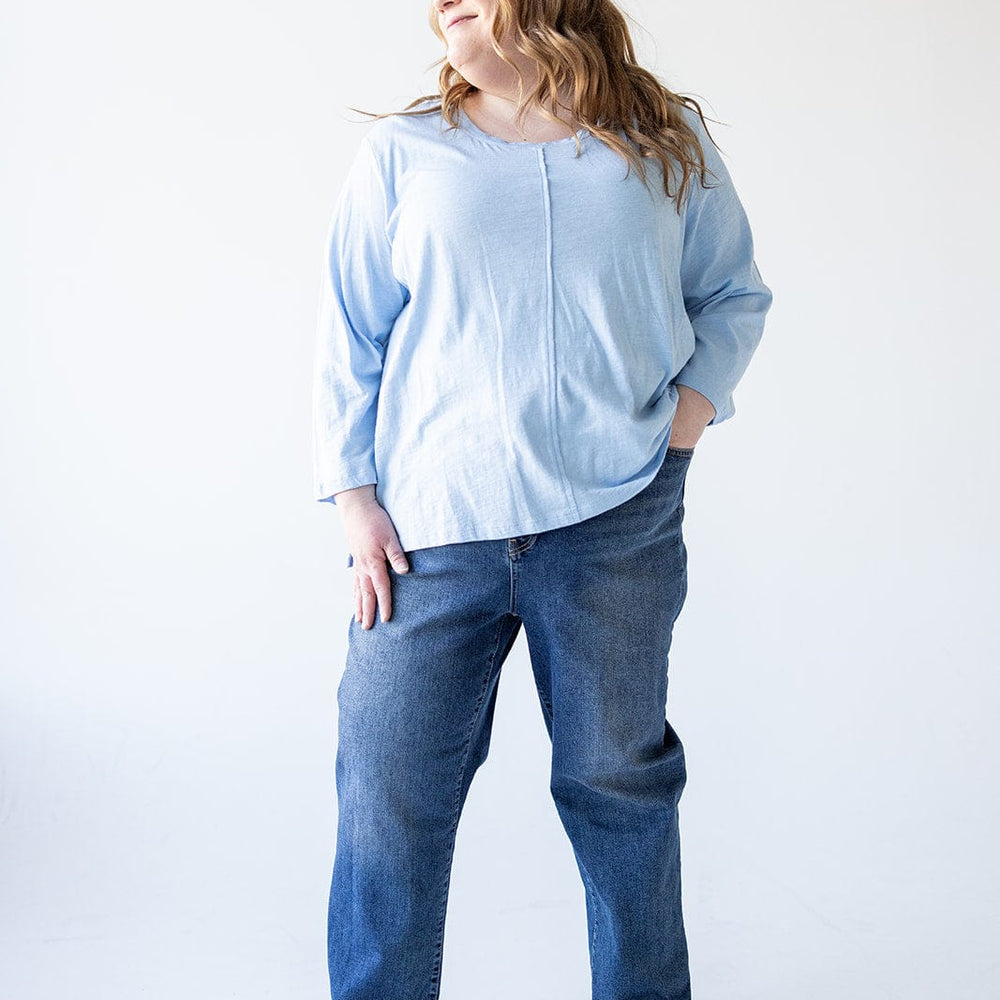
column 598, row 600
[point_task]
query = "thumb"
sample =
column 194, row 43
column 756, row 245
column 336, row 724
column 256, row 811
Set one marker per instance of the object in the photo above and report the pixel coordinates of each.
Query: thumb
column 397, row 556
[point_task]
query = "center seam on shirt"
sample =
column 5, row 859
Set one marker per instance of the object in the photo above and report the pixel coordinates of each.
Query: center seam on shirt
column 550, row 337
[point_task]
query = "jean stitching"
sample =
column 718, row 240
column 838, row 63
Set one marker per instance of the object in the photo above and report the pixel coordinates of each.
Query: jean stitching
column 523, row 547
column 594, row 910
column 435, row 990
column 545, row 701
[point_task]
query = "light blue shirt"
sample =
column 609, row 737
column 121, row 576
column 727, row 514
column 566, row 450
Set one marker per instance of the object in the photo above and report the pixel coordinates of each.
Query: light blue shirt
column 502, row 326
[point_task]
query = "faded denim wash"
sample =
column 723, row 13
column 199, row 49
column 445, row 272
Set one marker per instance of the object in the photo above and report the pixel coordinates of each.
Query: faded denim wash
column 598, row 600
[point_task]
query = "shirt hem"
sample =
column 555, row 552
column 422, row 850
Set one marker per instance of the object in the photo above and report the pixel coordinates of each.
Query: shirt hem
column 532, row 526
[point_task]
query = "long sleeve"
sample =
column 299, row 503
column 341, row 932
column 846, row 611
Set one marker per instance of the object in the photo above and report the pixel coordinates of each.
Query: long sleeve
column 724, row 295
column 360, row 299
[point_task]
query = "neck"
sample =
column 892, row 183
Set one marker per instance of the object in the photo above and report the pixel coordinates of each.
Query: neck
column 500, row 104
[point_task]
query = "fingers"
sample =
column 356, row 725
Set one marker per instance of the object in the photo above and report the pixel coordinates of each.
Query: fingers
column 375, row 547
column 364, row 600
column 373, row 589
column 359, row 611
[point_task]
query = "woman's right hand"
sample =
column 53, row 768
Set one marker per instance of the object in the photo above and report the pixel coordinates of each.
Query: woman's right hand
column 372, row 539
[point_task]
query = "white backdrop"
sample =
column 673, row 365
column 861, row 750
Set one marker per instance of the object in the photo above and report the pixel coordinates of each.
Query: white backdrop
column 174, row 604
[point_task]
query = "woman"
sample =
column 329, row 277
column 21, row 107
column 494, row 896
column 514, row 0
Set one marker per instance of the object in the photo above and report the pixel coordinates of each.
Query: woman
column 535, row 299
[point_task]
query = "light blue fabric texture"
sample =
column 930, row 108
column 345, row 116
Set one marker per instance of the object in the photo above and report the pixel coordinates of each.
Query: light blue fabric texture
column 502, row 326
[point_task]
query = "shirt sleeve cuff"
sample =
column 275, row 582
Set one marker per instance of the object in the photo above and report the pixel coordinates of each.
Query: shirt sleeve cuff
column 331, row 483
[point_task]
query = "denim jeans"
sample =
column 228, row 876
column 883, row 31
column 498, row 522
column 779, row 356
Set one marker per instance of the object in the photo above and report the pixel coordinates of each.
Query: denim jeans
column 598, row 600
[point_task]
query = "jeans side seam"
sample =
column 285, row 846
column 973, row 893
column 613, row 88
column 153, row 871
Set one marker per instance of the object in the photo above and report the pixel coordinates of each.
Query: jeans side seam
column 594, row 910
column 546, row 704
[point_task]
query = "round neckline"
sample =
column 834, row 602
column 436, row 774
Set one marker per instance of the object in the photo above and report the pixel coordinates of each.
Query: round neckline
column 516, row 144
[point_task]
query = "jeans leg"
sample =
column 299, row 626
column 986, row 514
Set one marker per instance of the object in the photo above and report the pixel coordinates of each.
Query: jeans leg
column 599, row 600
column 415, row 713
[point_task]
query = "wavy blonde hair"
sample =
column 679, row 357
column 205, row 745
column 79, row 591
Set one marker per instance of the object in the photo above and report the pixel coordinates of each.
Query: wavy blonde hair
column 584, row 48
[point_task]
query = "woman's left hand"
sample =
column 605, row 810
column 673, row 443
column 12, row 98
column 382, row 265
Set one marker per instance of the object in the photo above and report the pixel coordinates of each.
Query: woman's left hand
column 694, row 411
